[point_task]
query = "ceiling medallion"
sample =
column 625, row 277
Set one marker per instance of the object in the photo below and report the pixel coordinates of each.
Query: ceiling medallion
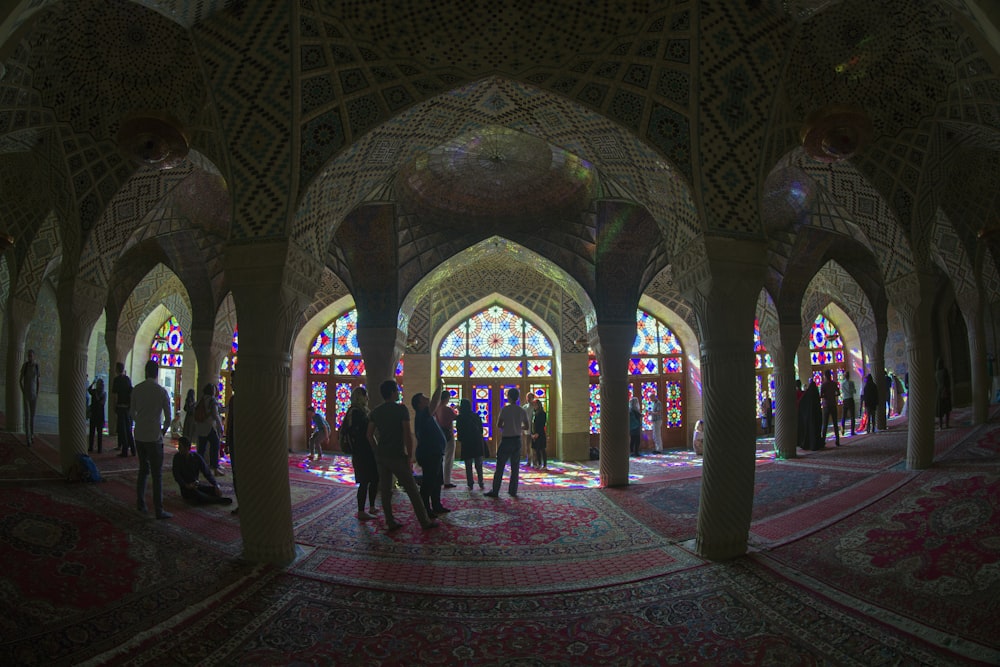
column 153, row 139
column 836, row 132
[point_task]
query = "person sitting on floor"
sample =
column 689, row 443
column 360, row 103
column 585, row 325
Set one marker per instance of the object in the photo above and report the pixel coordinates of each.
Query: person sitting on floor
column 187, row 467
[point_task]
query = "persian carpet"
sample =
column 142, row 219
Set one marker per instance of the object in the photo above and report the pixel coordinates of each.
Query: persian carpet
column 82, row 577
column 540, row 541
column 728, row 614
column 22, row 464
column 930, row 552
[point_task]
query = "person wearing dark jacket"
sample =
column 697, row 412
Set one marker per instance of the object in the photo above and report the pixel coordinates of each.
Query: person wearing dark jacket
column 470, row 438
column 869, row 398
column 430, row 452
column 810, row 419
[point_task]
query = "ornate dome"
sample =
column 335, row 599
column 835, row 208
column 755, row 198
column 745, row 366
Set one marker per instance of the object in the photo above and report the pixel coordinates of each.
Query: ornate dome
column 495, row 174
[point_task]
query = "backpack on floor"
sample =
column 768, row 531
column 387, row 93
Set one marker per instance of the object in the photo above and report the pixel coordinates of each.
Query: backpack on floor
column 88, row 470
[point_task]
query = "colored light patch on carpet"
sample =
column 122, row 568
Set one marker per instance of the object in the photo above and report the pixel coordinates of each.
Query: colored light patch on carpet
column 539, row 540
column 931, row 552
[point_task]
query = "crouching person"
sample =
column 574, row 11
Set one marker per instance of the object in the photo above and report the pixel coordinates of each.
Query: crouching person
column 187, row 467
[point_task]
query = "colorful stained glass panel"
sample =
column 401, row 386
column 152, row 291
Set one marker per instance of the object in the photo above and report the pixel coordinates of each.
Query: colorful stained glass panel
column 318, row 396
column 452, row 368
column 643, row 366
column 319, row 366
column 454, row 344
column 536, row 344
column 496, row 368
column 673, row 415
column 539, row 367
column 496, row 332
column 595, row 408
column 323, row 344
column 343, row 394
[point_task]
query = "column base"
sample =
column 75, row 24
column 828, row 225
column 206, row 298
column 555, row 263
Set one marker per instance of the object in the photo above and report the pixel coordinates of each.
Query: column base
column 281, row 555
column 720, row 551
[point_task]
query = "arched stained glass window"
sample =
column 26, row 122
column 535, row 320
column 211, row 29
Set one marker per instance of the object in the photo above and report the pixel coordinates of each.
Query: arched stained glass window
column 826, row 351
column 336, row 367
column 490, row 352
column 168, row 345
column 656, row 372
column 764, row 370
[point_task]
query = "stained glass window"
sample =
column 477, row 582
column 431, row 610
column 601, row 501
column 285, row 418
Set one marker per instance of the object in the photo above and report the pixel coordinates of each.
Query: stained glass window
column 826, row 351
column 502, row 341
column 168, row 345
column 336, row 366
column 595, row 408
column 764, row 369
column 657, row 362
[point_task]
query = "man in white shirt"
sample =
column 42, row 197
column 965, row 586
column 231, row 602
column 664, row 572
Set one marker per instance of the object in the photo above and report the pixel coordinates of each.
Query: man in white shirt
column 150, row 407
column 510, row 424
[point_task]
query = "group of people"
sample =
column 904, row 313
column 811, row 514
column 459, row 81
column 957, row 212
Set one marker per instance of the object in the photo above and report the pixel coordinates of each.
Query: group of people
column 384, row 447
column 818, row 409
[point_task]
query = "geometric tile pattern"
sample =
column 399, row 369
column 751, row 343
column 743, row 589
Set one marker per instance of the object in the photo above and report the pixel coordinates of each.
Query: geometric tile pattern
column 832, row 284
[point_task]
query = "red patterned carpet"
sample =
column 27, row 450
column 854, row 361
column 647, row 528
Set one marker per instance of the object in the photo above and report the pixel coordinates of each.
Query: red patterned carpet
column 20, row 464
column 856, row 562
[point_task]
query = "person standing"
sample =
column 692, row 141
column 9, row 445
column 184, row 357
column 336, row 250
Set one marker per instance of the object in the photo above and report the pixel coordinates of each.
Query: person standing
column 848, row 391
column 526, row 435
column 390, row 437
column 355, row 426
column 943, row 379
column 829, row 391
column 430, row 451
column 98, row 399
column 634, row 425
column 445, row 417
column 767, row 414
column 190, row 405
column 470, row 435
column 538, row 422
column 208, row 427
column 656, row 416
column 150, row 407
column 31, row 382
column 121, row 387
column 511, row 423
column 869, row 396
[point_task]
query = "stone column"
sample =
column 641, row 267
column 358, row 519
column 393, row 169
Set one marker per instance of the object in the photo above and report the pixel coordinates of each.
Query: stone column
column 878, row 374
column 381, row 348
column 271, row 285
column 914, row 296
column 975, row 323
column 80, row 305
column 786, row 424
column 725, row 302
column 613, row 347
column 201, row 342
column 19, row 316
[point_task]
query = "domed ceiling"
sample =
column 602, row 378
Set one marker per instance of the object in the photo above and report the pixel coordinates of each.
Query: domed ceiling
column 496, row 175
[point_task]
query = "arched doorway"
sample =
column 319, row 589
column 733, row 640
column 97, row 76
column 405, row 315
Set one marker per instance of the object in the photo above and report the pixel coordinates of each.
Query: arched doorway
column 655, row 372
column 167, row 350
column 490, row 352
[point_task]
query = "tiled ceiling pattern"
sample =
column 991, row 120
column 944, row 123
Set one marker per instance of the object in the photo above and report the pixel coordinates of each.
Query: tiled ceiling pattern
column 767, row 320
column 955, row 262
column 663, row 289
column 832, row 284
column 330, row 289
column 369, row 162
column 159, row 284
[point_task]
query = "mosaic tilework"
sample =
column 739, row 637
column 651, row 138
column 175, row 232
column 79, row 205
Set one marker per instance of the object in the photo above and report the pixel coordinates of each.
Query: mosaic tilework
column 186, row 12
column 740, row 57
column 767, row 319
column 245, row 54
column 954, row 261
column 160, row 285
column 867, row 209
column 663, row 289
column 833, row 284
column 46, row 245
column 349, row 178
column 330, row 289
